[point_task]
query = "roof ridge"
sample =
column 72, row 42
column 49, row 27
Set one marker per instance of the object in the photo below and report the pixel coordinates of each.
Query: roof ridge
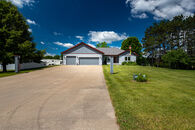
column 81, row 44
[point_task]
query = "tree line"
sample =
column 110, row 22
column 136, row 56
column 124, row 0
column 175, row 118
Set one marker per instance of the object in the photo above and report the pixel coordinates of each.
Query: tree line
column 15, row 37
column 171, row 37
column 58, row 57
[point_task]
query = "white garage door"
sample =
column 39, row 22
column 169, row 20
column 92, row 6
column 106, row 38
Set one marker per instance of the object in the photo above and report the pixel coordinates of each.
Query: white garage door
column 89, row 61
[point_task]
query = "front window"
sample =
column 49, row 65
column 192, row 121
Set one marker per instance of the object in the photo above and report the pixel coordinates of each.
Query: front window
column 127, row 59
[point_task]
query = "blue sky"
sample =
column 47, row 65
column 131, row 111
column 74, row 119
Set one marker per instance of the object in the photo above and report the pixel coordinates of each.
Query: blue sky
column 57, row 25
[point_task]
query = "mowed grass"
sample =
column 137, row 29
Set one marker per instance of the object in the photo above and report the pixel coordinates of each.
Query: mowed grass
column 166, row 101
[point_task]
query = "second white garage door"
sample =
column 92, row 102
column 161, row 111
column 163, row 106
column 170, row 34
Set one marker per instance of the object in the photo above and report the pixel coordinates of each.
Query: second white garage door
column 89, row 61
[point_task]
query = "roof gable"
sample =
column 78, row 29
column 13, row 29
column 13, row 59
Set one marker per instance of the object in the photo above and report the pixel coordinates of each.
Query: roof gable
column 82, row 48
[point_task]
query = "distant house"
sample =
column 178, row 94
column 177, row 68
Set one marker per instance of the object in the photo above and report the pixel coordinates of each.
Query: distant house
column 84, row 54
column 52, row 62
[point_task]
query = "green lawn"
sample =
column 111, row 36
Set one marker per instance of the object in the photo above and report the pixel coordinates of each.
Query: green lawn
column 11, row 72
column 166, row 101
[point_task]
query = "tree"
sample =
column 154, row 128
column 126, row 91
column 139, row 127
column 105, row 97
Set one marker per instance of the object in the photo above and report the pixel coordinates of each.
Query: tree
column 141, row 60
column 190, row 35
column 56, row 57
column 166, row 35
column 134, row 43
column 102, row 45
column 15, row 37
column 52, row 57
column 176, row 59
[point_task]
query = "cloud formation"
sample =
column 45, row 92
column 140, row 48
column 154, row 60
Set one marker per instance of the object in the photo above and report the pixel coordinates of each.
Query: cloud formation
column 49, row 54
column 57, row 33
column 31, row 22
column 42, row 42
column 30, row 30
column 68, row 45
column 92, row 45
column 21, row 3
column 161, row 9
column 141, row 16
column 106, row 36
column 80, row 37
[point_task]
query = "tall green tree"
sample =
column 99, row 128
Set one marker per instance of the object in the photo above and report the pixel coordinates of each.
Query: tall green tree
column 102, row 45
column 134, row 43
column 52, row 57
column 176, row 59
column 190, row 35
column 15, row 37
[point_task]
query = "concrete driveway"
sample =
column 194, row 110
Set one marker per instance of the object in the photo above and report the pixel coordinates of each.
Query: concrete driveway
column 57, row 98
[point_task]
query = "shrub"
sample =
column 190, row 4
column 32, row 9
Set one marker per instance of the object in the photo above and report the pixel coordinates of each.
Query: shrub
column 140, row 77
column 142, row 60
column 176, row 59
column 128, row 63
column 124, row 63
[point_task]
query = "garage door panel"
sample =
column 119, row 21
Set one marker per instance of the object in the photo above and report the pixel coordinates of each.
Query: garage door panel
column 71, row 60
column 89, row 61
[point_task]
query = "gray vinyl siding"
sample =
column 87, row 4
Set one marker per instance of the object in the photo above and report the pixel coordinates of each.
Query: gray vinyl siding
column 82, row 49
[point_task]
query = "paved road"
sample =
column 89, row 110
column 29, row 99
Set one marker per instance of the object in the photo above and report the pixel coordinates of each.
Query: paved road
column 57, row 98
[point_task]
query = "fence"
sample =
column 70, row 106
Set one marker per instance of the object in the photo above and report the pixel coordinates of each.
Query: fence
column 24, row 66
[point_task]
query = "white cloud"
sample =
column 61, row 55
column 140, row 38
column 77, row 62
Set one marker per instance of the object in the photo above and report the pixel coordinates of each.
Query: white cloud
column 92, row 45
column 57, row 34
column 68, row 45
column 21, row 3
column 141, row 16
column 115, row 47
column 42, row 42
column 106, row 36
column 80, row 37
column 49, row 54
column 31, row 21
column 161, row 9
column 30, row 30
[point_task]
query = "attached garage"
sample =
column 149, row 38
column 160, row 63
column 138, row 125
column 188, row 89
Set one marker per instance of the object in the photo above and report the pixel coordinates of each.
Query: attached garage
column 82, row 54
column 89, row 60
column 71, row 60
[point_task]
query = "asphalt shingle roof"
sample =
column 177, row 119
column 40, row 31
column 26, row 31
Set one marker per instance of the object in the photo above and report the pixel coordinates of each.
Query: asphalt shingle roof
column 111, row 51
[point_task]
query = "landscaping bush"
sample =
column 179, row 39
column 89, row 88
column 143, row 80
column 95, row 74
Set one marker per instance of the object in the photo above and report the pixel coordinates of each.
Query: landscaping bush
column 140, row 77
column 128, row 63
column 176, row 59
column 124, row 63
column 142, row 61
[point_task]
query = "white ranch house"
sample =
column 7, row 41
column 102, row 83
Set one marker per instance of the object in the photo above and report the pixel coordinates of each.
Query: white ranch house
column 84, row 54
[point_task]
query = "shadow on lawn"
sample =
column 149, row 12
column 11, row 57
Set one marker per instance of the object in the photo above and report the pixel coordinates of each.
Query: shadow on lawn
column 115, row 73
